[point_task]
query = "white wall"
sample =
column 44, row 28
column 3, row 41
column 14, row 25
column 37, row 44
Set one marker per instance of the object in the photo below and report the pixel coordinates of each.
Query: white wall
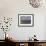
column 11, row 8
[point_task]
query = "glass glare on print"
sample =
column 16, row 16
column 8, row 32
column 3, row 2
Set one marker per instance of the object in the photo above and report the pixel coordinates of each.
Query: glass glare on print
column 25, row 19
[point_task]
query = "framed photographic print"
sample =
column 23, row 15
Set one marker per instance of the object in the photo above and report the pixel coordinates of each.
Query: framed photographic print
column 25, row 20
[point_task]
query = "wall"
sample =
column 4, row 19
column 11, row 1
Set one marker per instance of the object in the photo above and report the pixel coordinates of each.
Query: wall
column 11, row 8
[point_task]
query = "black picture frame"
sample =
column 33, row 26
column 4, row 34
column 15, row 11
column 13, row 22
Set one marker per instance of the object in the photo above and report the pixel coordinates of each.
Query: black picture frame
column 25, row 20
